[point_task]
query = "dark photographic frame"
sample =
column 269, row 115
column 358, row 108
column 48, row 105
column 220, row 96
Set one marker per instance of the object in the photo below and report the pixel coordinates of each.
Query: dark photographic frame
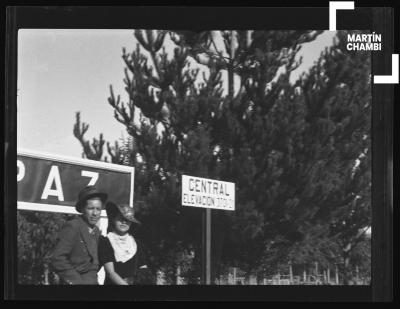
column 380, row 20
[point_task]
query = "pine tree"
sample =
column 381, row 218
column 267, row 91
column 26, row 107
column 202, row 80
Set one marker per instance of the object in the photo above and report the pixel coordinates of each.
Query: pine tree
column 171, row 137
column 313, row 134
column 292, row 150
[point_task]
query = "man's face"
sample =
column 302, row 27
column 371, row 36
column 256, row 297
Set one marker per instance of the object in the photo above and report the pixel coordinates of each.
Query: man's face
column 91, row 212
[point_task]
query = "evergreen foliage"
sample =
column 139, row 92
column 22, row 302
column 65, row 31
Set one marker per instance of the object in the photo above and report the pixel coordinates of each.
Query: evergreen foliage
column 299, row 153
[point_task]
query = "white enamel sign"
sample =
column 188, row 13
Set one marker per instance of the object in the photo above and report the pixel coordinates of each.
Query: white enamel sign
column 208, row 193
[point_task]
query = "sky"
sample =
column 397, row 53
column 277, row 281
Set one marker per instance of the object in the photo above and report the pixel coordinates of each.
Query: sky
column 63, row 71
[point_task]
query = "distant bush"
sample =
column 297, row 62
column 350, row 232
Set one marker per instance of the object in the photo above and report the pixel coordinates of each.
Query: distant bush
column 37, row 233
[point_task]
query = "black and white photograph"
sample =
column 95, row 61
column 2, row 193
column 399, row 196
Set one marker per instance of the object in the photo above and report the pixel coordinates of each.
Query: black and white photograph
column 183, row 157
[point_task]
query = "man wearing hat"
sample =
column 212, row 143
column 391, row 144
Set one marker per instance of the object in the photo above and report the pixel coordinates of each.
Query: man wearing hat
column 75, row 257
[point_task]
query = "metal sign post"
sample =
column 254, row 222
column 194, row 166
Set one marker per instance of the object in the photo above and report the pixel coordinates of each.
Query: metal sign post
column 208, row 194
column 206, row 245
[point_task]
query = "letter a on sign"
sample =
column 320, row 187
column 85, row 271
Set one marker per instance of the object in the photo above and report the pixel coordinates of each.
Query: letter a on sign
column 54, row 176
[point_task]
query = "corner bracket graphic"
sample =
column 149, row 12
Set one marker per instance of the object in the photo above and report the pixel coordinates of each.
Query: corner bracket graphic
column 333, row 7
column 390, row 79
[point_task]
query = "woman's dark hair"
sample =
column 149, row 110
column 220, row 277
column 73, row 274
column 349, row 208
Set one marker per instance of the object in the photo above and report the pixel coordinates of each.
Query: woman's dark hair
column 110, row 226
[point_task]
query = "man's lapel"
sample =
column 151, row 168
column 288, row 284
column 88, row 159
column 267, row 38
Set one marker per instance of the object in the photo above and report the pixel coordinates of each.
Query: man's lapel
column 88, row 239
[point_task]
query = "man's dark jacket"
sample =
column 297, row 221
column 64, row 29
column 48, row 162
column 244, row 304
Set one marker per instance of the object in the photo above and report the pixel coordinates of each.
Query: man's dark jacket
column 75, row 256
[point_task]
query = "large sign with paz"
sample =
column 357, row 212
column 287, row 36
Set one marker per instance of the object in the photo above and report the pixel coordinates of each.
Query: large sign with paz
column 48, row 182
column 208, row 193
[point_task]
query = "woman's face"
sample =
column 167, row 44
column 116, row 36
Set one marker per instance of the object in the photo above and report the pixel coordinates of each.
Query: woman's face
column 121, row 225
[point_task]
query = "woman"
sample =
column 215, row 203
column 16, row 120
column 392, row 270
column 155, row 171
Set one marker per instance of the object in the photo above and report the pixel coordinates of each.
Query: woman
column 119, row 252
column 75, row 257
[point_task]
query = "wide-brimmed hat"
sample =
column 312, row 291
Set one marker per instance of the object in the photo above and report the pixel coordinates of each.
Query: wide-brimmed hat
column 126, row 211
column 88, row 193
